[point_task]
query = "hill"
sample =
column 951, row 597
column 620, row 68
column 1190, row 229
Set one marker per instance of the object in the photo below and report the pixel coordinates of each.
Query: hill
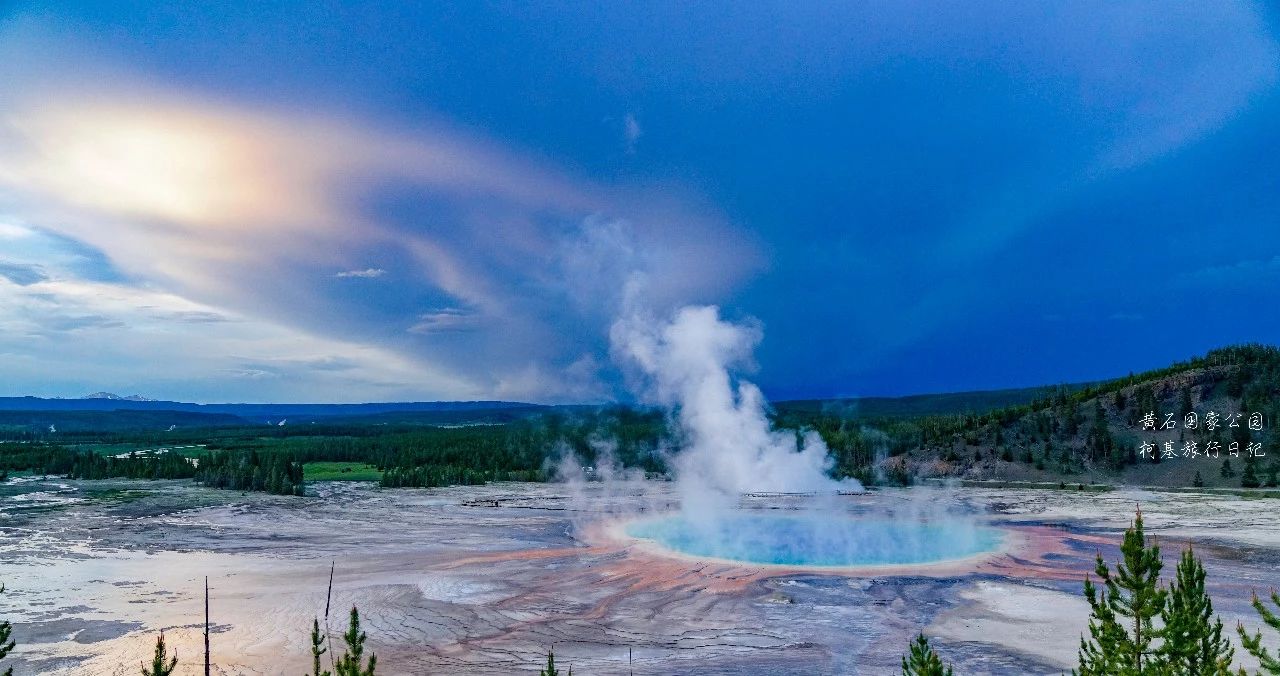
column 25, row 424
column 1206, row 421
column 918, row 405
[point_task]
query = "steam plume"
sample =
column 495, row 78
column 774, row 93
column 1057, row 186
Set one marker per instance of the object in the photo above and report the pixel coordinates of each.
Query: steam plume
column 729, row 446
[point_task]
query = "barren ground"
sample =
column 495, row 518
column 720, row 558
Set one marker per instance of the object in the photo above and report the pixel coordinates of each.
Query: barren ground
column 484, row 579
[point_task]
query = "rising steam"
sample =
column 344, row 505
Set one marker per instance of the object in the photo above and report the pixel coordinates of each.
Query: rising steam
column 729, row 446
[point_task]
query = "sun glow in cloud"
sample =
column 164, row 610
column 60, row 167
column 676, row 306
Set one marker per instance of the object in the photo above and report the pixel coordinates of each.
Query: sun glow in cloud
column 884, row 187
column 249, row 210
column 175, row 163
column 143, row 163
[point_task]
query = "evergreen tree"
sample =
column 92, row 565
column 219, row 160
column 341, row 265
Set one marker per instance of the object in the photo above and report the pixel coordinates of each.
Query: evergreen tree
column 1226, row 471
column 1198, row 481
column 1249, row 478
column 550, row 669
column 351, row 662
column 1235, row 384
column 1269, row 663
column 922, row 660
column 1193, row 641
column 6, row 643
column 317, row 649
column 1131, row 597
column 161, row 663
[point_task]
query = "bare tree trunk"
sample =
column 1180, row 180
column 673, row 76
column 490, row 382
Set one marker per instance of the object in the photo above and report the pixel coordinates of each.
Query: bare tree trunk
column 206, row 626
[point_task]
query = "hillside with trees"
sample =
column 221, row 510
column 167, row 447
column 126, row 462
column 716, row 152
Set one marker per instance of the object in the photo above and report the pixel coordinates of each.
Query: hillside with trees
column 1204, row 422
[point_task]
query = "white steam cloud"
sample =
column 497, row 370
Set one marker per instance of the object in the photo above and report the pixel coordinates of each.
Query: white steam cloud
column 729, row 446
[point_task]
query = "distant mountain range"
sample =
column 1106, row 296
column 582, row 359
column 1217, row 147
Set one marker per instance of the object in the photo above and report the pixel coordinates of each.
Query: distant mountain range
column 925, row 404
column 115, row 397
column 106, row 401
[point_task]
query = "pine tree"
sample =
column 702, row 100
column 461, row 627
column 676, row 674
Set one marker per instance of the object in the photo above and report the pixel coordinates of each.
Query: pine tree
column 1193, row 641
column 922, row 660
column 1132, row 594
column 1249, row 478
column 1198, row 481
column 6, row 643
column 1269, row 663
column 550, row 669
column 317, row 649
column 161, row 663
column 1226, row 471
column 350, row 664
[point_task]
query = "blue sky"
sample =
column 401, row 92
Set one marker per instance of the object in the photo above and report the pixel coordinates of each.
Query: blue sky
column 350, row 202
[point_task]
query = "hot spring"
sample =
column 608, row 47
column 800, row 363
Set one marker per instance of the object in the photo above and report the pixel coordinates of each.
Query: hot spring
column 816, row 540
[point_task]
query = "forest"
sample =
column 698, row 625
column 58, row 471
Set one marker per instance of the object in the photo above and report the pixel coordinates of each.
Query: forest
column 1070, row 434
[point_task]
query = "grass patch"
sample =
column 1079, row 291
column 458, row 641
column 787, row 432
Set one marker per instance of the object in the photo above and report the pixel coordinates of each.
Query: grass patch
column 340, row 471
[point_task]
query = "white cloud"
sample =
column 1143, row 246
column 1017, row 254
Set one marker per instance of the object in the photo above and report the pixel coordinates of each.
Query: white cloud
column 444, row 321
column 10, row 231
column 579, row 382
column 237, row 210
column 74, row 335
column 367, row 273
column 631, row 131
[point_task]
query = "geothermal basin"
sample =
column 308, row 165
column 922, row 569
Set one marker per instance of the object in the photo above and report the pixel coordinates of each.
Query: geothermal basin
column 820, row 540
column 484, row 579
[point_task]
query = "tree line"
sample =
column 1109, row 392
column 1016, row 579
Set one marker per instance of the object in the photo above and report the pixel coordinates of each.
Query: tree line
column 1063, row 432
column 1070, row 429
column 277, row 473
column 408, row 455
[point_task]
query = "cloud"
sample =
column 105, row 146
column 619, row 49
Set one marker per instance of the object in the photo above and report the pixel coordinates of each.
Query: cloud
column 10, row 232
column 238, row 209
column 68, row 323
column 444, row 321
column 192, row 316
column 22, row 274
column 631, row 131
column 367, row 273
column 581, row 381
column 65, row 335
column 252, row 374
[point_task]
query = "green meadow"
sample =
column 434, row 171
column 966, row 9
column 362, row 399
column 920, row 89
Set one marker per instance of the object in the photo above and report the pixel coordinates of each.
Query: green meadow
column 340, row 471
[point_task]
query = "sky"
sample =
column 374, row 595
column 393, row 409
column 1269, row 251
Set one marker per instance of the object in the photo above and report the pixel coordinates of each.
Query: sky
column 334, row 202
